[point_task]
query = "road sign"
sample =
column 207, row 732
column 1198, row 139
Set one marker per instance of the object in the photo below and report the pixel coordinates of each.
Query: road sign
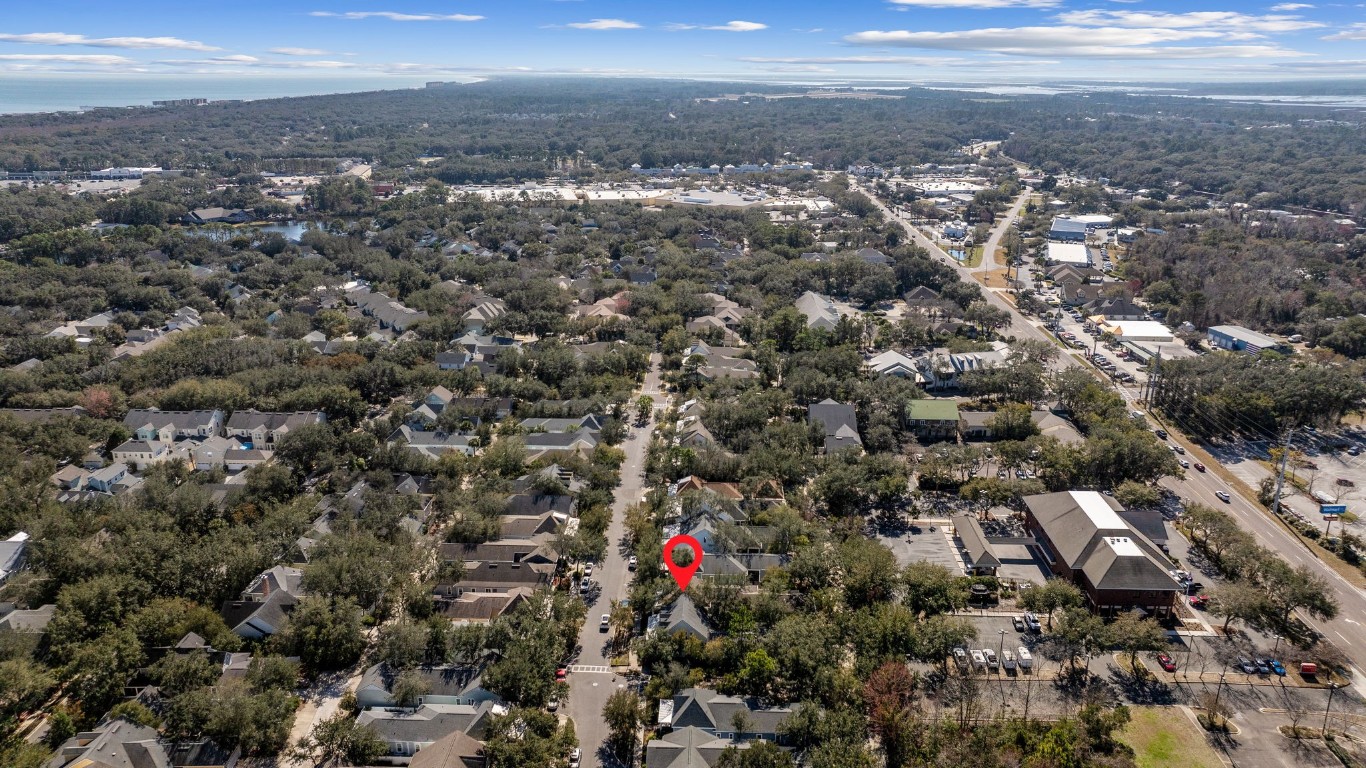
column 1332, row 509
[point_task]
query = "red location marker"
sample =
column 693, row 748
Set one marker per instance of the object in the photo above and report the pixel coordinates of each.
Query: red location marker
column 682, row 573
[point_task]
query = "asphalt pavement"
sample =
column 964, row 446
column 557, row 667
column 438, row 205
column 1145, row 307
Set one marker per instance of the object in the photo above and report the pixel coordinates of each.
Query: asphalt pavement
column 591, row 680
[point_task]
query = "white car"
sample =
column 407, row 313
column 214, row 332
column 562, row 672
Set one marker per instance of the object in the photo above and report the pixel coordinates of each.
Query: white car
column 1223, row 496
column 588, row 569
column 605, row 623
column 632, row 563
column 575, row 757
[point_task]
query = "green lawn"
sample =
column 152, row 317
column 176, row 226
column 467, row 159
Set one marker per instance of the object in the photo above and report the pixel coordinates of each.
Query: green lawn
column 1163, row 737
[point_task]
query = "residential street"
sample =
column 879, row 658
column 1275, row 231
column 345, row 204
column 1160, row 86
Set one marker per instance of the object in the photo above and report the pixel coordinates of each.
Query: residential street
column 590, row 679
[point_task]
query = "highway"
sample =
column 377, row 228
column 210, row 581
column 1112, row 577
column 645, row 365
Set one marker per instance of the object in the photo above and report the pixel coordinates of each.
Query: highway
column 1346, row 630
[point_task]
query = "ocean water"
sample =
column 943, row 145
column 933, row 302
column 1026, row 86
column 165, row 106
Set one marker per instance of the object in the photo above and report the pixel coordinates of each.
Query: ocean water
column 52, row 93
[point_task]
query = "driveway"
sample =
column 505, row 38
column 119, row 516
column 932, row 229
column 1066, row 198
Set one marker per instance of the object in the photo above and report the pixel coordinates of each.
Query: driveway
column 591, row 680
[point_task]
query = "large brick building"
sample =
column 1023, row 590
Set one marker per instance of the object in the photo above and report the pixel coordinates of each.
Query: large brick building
column 1086, row 541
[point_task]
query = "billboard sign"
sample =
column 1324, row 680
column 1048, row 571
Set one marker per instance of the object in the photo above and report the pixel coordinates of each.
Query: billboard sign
column 1332, row 509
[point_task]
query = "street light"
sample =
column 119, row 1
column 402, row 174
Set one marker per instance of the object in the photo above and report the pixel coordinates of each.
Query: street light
column 1001, row 652
column 1332, row 688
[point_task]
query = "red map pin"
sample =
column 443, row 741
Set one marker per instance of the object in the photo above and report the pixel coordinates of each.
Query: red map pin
column 682, row 573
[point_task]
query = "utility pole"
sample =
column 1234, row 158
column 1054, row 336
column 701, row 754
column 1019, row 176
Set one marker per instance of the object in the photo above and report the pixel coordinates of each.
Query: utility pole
column 1280, row 474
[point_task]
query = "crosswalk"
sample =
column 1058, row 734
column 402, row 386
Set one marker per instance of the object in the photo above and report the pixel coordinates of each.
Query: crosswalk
column 590, row 668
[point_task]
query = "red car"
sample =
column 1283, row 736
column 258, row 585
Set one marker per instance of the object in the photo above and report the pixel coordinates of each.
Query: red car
column 1199, row 467
column 1166, row 662
column 561, row 674
column 1200, row 601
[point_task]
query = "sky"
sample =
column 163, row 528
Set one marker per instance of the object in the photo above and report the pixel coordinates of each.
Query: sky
column 793, row 40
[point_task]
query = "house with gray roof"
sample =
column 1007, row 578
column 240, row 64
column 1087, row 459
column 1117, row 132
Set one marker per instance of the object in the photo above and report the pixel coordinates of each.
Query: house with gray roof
column 714, row 713
column 839, row 422
column 115, row 744
column 26, row 621
column 819, row 311
column 168, row 426
column 682, row 616
column 263, row 429
column 1084, row 539
column 447, row 685
column 552, row 442
column 262, row 607
column 450, row 729
column 433, row 445
column 13, row 555
column 688, row 748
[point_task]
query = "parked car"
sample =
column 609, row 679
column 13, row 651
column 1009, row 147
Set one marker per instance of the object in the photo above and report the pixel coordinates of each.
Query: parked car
column 1247, row 666
column 561, row 674
column 1026, row 658
column 960, row 656
column 632, row 563
column 1277, row 667
column 587, row 569
column 1032, row 623
column 605, row 623
column 1223, row 496
column 575, row 757
column 1263, row 667
column 552, row 705
column 1199, row 467
column 1018, row 621
column 1354, row 450
column 1200, row 601
column 992, row 662
column 979, row 659
column 1165, row 661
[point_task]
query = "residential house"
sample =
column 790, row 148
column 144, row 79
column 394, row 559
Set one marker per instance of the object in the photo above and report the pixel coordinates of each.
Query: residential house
column 434, row 445
column 485, row 310
column 42, row 415
column 168, row 426
column 432, row 735
column 263, row 430
column 583, row 440
column 943, row 370
column 682, row 615
column 874, row 257
column 1084, row 539
column 933, row 419
column 218, row 216
column 715, row 714
column 494, row 578
column 481, row 607
column 695, row 434
column 261, row 609
column 1116, row 308
column 976, row 425
column 26, row 621
column 819, row 311
column 840, row 423
column 13, row 555
column 141, row 454
column 893, row 363
column 106, row 479
column 450, row 685
column 689, row 748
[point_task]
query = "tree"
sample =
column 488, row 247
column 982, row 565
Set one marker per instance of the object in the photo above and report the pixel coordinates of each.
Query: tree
column 409, row 688
column 933, row 589
column 1300, row 589
column 622, row 714
column 645, row 405
column 1135, row 634
column 1137, row 495
column 1239, row 601
column 759, row 754
column 1054, row 595
column 341, row 740
column 1082, row 633
column 889, row 696
column 325, row 634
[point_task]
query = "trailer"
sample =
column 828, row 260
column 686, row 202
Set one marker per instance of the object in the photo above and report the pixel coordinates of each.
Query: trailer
column 1026, row 659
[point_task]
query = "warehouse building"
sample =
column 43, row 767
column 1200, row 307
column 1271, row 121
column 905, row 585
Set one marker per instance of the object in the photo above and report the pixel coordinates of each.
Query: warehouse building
column 1068, row 230
column 1236, row 338
column 1068, row 253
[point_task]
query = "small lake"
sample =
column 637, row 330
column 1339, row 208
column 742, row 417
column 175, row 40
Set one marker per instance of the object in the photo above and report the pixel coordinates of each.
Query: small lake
column 290, row 230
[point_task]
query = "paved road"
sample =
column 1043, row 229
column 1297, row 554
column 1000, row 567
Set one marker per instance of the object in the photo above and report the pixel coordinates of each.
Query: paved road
column 1348, row 631
column 994, row 239
column 591, row 679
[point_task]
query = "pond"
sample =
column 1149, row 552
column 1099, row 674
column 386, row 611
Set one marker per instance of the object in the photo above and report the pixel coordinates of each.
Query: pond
column 290, row 230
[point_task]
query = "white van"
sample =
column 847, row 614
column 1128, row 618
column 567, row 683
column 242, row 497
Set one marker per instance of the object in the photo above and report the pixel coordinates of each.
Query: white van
column 979, row 660
column 1026, row 660
column 1008, row 661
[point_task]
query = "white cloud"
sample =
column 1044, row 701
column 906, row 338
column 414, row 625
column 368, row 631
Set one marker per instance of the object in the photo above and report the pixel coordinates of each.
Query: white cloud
column 1291, row 6
column 977, row 3
column 392, row 16
column 920, row 61
column 1237, row 24
column 66, row 58
column 730, row 26
column 604, row 24
column 287, row 51
column 1353, row 32
column 738, row 26
column 62, row 38
column 237, row 58
column 1072, row 41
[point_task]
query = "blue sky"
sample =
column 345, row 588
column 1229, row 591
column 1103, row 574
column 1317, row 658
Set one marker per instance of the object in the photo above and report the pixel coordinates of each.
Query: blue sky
column 806, row 40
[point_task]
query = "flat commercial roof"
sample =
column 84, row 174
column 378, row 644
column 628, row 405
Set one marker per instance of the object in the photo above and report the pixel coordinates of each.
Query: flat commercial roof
column 1246, row 335
column 1139, row 330
column 1068, row 253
